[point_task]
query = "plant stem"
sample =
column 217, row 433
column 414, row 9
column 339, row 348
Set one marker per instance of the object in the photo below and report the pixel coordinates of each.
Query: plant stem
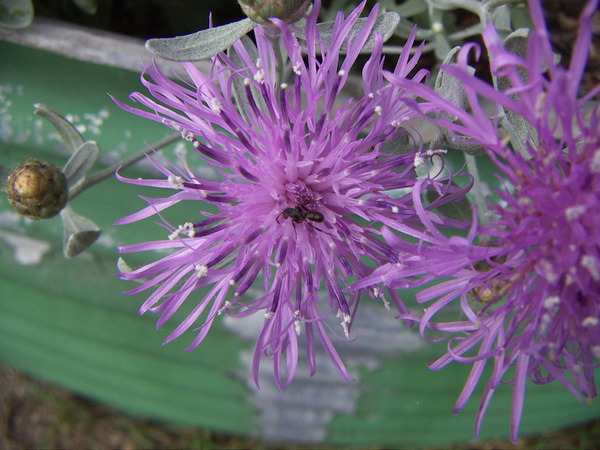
column 109, row 171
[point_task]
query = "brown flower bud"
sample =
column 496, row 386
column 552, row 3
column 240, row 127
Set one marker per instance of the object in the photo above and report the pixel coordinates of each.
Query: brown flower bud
column 259, row 11
column 37, row 189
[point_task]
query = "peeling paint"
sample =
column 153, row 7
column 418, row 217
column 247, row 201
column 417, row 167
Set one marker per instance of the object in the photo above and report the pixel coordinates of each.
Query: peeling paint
column 106, row 241
column 302, row 413
column 7, row 124
column 27, row 251
column 18, row 130
column 10, row 219
column 89, row 123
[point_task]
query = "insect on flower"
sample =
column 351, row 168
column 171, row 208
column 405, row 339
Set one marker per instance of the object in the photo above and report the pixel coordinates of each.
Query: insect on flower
column 294, row 154
column 299, row 214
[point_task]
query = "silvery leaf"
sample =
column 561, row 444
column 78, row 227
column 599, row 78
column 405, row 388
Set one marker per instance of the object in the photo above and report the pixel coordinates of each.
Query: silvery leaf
column 201, row 44
column 68, row 133
column 469, row 146
column 16, row 13
column 385, row 25
column 123, row 267
column 516, row 42
column 450, row 87
column 453, row 90
column 80, row 232
column 441, row 45
column 80, row 162
column 521, row 132
column 502, row 19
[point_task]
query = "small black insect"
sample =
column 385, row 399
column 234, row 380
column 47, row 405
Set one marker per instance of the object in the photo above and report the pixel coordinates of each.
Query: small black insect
column 300, row 214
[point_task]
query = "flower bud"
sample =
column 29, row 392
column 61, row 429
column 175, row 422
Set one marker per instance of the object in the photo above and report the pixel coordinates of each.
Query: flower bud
column 259, row 11
column 37, row 189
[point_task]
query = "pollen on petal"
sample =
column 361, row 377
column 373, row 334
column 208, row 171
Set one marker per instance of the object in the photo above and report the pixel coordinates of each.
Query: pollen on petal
column 551, row 301
column 201, row 270
column 224, row 308
column 216, row 105
column 575, row 212
column 595, row 162
column 592, row 265
column 175, row 181
column 187, row 229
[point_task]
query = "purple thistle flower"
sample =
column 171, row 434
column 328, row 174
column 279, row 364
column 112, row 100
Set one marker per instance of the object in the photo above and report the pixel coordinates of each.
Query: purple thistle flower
column 529, row 289
column 304, row 189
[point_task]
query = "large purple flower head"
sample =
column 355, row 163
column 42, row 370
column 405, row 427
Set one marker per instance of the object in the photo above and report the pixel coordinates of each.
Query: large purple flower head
column 528, row 280
column 305, row 186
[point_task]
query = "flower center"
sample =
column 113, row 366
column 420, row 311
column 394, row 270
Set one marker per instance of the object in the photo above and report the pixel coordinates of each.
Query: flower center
column 301, row 195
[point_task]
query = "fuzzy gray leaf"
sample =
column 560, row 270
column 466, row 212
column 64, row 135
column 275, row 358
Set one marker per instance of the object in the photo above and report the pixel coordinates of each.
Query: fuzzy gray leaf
column 80, row 232
column 453, row 90
column 385, row 25
column 521, row 132
column 16, row 13
column 502, row 19
column 201, row 44
column 80, row 162
column 123, row 267
column 469, row 146
column 450, row 87
column 68, row 133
